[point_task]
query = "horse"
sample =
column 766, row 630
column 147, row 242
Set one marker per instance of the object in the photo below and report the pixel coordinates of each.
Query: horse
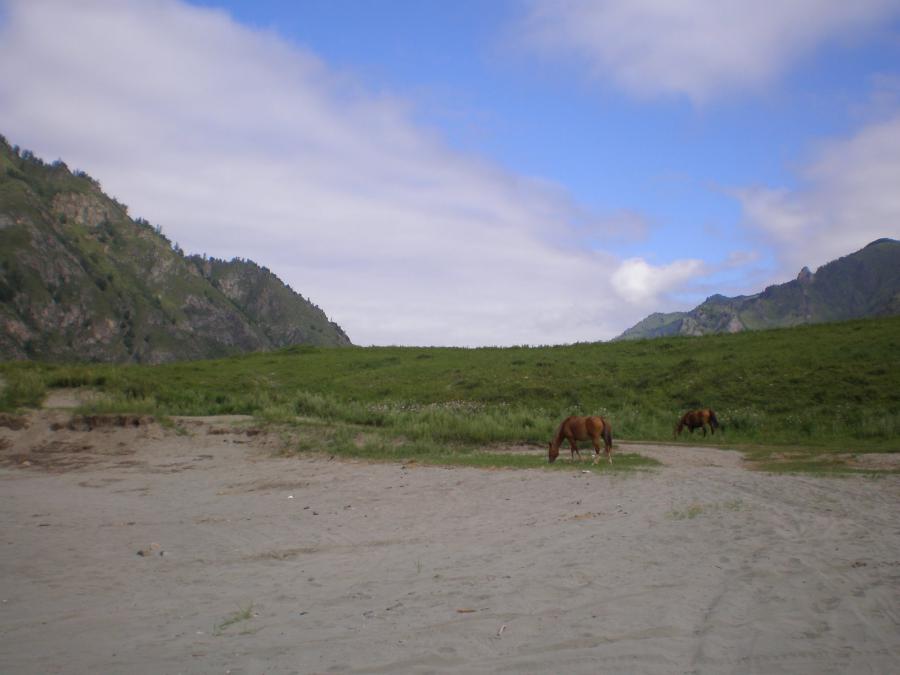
column 693, row 419
column 577, row 428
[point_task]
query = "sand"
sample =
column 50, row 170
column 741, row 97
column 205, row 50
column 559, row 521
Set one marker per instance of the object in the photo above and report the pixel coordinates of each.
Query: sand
column 253, row 562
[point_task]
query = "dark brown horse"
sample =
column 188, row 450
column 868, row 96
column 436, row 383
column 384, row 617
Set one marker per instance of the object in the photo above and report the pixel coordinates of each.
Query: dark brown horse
column 576, row 429
column 694, row 419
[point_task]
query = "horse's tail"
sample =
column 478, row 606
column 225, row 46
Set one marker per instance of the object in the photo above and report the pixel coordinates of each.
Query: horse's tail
column 607, row 436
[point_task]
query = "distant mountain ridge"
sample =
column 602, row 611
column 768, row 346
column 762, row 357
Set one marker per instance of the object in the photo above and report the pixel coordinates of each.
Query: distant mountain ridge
column 81, row 280
column 863, row 284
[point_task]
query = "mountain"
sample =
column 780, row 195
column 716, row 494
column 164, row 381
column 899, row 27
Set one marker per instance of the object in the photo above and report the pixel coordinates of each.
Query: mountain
column 81, row 280
column 862, row 284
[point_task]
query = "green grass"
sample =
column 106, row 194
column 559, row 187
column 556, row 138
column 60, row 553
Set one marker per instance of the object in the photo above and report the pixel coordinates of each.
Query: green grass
column 26, row 388
column 829, row 388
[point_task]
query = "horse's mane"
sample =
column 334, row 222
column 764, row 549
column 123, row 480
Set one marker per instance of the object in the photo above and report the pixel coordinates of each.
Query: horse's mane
column 558, row 436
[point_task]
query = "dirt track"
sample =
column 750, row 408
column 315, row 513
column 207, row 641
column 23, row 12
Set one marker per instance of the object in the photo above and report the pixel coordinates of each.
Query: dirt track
column 700, row 566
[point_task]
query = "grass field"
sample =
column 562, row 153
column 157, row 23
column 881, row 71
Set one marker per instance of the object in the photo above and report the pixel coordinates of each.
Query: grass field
column 828, row 388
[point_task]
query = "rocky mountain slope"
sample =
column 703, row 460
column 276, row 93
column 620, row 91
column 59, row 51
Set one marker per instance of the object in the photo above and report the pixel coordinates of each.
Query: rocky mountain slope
column 81, row 280
column 863, row 284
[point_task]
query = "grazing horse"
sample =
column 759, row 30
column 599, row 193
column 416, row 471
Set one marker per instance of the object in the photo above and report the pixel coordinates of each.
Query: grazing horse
column 693, row 419
column 576, row 429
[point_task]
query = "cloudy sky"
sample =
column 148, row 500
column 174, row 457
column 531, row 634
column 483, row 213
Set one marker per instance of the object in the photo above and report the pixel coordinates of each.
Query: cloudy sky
column 478, row 173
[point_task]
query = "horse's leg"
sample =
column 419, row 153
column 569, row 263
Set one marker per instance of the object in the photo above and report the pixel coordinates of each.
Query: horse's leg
column 596, row 441
column 574, row 445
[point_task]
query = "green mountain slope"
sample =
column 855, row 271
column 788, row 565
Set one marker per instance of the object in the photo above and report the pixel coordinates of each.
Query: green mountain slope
column 862, row 284
column 80, row 279
column 282, row 315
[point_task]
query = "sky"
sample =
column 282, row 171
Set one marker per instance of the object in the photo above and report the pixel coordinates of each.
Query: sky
column 475, row 173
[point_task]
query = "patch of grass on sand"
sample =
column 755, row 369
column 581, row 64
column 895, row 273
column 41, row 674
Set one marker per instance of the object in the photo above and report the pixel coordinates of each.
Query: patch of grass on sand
column 384, row 445
column 242, row 614
column 696, row 508
column 811, row 460
column 823, row 467
column 689, row 512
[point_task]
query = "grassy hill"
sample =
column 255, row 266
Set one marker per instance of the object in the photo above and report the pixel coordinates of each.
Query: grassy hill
column 81, row 280
column 863, row 284
column 830, row 386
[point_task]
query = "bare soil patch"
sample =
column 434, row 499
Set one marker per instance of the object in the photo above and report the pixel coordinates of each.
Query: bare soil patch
column 201, row 548
column 69, row 397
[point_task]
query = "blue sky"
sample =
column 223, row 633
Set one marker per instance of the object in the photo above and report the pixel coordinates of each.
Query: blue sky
column 476, row 173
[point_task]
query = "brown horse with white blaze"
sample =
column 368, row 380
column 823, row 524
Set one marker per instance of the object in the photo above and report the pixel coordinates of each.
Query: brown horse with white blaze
column 576, row 429
column 694, row 419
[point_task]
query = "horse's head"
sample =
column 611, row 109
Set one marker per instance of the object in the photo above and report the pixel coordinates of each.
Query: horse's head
column 677, row 430
column 553, row 454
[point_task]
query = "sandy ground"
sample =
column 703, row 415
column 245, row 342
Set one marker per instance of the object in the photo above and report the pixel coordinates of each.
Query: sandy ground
column 701, row 566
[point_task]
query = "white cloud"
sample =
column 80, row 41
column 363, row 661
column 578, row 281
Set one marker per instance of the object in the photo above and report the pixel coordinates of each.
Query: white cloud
column 695, row 47
column 849, row 197
column 240, row 144
column 643, row 284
